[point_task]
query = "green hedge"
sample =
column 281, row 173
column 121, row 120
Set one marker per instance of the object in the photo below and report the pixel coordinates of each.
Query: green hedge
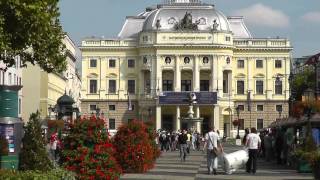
column 56, row 174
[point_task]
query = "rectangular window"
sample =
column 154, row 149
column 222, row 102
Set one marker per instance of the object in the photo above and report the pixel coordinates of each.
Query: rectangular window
column 279, row 108
column 241, row 107
column 112, row 107
column 131, row 63
column 278, row 87
column 259, row 107
column 10, row 79
column 131, row 86
column 19, row 80
column 228, row 38
column 147, row 86
column 93, row 63
column 112, row 124
column 3, row 77
column 112, row 63
column 241, row 124
column 185, row 85
column 112, row 86
column 278, row 63
column 259, row 124
column 93, row 86
column 240, row 87
column 204, row 85
column 259, row 64
column 259, row 87
column 93, row 107
column 240, row 63
column 167, row 85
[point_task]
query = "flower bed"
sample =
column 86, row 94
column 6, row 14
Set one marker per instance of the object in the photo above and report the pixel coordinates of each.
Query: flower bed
column 135, row 146
column 88, row 152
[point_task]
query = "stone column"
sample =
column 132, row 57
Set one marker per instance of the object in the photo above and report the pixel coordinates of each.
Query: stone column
column 178, row 122
column 250, row 66
column 198, row 124
column 153, row 75
column 158, row 117
column 220, row 75
column 214, row 73
column 177, row 75
column 159, row 75
column 196, row 75
column 216, row 117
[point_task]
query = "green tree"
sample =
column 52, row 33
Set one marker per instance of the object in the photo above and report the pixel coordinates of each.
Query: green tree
column 31, row 30
column 303, row 81
column 33, row 154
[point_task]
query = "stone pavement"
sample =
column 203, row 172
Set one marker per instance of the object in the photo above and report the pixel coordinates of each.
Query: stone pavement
column 169, row 167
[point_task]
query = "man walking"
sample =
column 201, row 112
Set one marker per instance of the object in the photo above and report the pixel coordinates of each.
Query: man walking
column 253, row 143
column 212, row 142
column 183, row 145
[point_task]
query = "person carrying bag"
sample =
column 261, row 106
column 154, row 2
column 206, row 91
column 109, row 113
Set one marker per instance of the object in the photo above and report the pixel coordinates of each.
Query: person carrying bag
column 211, row 143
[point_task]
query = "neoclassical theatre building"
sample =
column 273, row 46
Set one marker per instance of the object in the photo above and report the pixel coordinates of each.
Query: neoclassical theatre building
column 183, row 46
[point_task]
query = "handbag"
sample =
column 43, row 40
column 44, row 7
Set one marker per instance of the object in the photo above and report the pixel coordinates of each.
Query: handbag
column 215, row 151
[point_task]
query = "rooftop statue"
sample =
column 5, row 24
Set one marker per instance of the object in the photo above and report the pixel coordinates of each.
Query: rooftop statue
column 215, row 25
column 186, row 23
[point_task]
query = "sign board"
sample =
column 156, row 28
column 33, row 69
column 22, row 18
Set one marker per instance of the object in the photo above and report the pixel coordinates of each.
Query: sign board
column 181, row 98
column 6, row 130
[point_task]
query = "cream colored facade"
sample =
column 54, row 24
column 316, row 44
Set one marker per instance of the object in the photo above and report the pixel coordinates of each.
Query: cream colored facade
column 211, row 58
column 41, row 89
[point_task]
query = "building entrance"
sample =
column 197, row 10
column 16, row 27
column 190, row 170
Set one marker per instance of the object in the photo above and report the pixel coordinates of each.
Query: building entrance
column 167, row 122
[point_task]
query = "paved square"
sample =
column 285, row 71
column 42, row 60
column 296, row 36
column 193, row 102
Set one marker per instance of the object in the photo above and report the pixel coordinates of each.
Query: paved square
column 169, row 167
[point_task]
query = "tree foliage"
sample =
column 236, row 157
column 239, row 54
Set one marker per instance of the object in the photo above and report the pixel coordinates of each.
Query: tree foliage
column 303, row 81
column 33, row 155
column 31, row 30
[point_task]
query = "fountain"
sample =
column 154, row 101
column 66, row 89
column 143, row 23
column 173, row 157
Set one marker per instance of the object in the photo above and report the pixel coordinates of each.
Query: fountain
column 192, row 99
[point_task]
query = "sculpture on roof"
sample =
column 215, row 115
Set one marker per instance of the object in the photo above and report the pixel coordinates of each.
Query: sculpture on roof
column 158, row 24
column 186, row 23
column 215, row 25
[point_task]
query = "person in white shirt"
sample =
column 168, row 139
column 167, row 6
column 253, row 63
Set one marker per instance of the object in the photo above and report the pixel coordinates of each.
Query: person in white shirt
column 253, row 143
column 212, row 141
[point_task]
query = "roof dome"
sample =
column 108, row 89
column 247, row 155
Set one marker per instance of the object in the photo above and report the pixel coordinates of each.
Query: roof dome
column 204, row 16
column 65, row 99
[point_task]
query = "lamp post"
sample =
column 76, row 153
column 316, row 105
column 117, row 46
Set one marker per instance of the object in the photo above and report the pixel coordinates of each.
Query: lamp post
column 309, row 97
column 97, row 112
column 238, row 114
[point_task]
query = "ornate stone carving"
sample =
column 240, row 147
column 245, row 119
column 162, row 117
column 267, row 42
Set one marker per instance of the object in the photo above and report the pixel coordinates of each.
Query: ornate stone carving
column 186, row 23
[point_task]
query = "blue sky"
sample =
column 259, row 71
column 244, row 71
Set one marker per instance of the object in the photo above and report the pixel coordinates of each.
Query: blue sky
column 298, row 20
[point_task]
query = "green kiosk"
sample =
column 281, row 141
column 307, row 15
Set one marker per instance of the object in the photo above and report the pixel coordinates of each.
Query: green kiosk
column 11, row 127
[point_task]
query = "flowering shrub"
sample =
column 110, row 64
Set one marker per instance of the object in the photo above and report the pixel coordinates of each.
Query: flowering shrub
column 136, row 149
column 88, row 152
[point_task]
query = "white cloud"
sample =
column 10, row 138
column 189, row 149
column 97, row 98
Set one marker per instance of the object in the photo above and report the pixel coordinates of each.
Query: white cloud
column 313, row 17
column 262, row 15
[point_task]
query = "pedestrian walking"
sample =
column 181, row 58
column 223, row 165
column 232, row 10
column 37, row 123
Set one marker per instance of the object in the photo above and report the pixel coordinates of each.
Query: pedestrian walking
column 212, row 144
column 253, row 143
column 189, row 141
column 244, row 140
column 268, row 146
column 183, row 145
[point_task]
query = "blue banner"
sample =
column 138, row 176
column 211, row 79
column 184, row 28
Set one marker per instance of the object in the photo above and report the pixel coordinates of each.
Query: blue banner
column 182, row 98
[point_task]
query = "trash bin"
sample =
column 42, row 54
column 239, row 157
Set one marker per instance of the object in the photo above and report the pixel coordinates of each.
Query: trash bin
column 235, row 160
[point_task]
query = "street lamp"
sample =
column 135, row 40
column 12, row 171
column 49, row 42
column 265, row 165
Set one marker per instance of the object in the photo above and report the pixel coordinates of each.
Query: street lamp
column 97, row 112
column 308, row 93
column 238, row 114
